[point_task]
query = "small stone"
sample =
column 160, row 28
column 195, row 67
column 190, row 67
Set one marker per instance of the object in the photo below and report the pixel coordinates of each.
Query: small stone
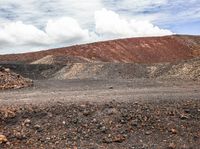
column 173, row 131
column 122, row 121
column 172, row 146
column 119, row 138
column 111, row 87
column 3, row 139
column 83, row 106
column 195, row 137
column 148, row 132
column 9, row 114
column 111, row 111
column 50, row 115
column 187, row 110
column 8, row 143
column 7, row 70
column 94, row 120
column 103, row 129
column 38, row 128
column 86, row 112
column 183, row 117
column 184, row 147
column 27, row 121
column 134, row 123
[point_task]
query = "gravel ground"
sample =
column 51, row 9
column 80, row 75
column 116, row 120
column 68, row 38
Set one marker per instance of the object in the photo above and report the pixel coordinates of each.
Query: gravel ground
column 92, row 114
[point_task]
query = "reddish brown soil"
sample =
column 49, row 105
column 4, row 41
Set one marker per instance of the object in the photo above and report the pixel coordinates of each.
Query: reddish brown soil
column 141, row 50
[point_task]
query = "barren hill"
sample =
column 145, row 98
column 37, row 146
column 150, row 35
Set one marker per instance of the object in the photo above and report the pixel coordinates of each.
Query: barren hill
column 140, row 50
column 50, row 59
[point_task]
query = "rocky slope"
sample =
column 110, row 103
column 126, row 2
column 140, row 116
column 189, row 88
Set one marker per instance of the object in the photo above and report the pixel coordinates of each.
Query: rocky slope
column 141, row 50
column 188, row 70
column 50, row 60
column 185, row 69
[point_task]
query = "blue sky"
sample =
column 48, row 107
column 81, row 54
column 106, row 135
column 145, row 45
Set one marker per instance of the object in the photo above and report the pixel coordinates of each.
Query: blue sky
column 192, row 28
column 35, row 25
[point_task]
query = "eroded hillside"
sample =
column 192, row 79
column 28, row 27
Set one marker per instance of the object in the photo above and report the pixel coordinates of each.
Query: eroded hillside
column 140, row 50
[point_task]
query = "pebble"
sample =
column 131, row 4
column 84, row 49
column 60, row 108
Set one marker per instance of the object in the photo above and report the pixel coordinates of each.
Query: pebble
column 103, row 129
column 38, row 128
column 111, row 87
column 27, row 121
column 172, row 146
column 86, row 112
column 148, row 132
column 173, row 131
column 3, row 139
column 183, row 117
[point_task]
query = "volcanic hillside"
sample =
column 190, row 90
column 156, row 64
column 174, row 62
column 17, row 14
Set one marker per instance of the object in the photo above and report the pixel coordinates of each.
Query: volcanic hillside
column 187, row 70
column 50, row 59
column 140, row 50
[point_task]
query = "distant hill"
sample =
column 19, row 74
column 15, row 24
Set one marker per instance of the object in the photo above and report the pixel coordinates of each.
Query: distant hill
column 139, row 50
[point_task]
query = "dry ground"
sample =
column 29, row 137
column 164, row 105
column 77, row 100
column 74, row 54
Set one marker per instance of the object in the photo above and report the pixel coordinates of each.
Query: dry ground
column 84, row 114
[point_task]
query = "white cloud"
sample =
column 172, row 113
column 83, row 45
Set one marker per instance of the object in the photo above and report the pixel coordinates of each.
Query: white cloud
column 39, row 12
column 59, row 32
column 19, row 33
column 110, row 24
column 67, row 31
column 140, row 4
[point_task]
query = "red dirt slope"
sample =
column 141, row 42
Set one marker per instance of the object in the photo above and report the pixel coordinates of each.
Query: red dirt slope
column 141, row 50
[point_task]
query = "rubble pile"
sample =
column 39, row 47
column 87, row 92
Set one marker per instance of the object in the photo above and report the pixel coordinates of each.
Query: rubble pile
column 11, row 80
column 189, row 70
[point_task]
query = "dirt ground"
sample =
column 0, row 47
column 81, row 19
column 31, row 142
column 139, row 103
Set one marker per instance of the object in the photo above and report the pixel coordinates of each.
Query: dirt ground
column 102, row 90
column 92, row 114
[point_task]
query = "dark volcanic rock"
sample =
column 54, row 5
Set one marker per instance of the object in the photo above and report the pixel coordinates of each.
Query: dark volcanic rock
column 146, row 125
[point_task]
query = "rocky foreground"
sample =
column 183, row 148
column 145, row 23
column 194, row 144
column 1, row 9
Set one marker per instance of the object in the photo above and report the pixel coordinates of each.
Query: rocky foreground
column 125, row 125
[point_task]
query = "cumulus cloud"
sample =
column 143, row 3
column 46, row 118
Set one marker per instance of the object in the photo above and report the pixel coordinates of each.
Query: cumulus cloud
column 110, row 24
column 17, row 35
column 67, row 31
